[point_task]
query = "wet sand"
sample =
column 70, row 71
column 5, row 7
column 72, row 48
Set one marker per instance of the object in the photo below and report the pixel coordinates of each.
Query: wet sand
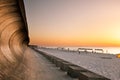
column 39, row 68
column 106, row 65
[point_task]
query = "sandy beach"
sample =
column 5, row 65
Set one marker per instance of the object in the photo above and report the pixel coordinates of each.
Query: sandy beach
column 106, row 65
column 39, row 68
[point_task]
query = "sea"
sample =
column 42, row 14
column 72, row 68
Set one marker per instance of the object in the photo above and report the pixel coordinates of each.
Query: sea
column 107, row 50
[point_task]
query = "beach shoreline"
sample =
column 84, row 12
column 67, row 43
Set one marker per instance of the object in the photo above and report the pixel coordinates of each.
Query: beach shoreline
column 104, row 64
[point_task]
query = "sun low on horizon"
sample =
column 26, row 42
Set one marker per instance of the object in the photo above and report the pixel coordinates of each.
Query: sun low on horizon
column 74, row 22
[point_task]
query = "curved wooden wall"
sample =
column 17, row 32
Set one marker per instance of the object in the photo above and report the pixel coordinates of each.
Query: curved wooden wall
column 13, row 36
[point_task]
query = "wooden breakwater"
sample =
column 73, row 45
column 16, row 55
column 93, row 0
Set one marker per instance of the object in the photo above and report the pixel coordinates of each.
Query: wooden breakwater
column 72, row 70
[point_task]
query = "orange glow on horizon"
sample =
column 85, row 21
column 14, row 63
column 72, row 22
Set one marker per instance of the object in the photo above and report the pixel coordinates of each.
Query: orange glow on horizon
column 76, row 42
column 74, row 22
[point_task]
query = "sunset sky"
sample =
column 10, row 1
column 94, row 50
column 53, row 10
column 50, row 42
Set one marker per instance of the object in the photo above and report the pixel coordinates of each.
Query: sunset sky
column 73, row 22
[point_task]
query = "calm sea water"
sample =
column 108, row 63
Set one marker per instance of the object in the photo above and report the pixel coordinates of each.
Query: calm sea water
column 110, row 50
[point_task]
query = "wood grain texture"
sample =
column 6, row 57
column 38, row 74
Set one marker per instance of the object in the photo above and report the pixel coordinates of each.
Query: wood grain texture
column 13, row 38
